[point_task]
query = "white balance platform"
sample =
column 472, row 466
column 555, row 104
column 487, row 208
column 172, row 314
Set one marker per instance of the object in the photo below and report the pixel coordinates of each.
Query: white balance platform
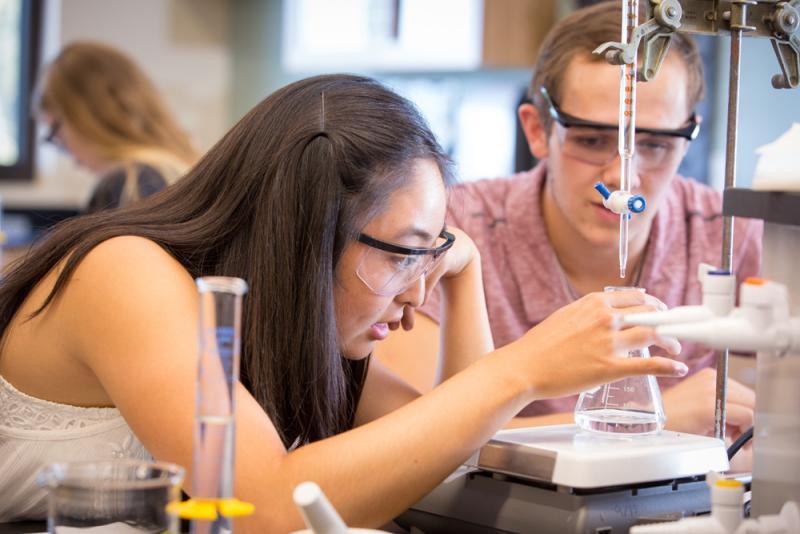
column 567, row 456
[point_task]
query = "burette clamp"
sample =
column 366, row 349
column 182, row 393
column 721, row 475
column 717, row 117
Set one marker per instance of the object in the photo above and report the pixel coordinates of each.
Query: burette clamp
column 655, row 34
column 621, row 202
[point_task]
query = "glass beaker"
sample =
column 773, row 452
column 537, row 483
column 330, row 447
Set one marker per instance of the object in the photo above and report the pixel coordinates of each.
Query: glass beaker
column 116, row 496
column 626, row 407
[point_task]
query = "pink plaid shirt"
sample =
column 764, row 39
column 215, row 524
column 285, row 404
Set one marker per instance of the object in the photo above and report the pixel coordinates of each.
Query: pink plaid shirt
column 524, row 282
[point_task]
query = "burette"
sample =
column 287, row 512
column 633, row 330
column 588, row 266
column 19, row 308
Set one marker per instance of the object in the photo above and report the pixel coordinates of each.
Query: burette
column 627, row 124
column 623, row 202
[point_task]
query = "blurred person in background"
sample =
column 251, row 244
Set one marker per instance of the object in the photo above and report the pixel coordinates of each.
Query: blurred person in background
column 99, row 106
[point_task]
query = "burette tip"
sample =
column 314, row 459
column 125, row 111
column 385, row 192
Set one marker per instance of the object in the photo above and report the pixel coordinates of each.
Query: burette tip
column 622, row 272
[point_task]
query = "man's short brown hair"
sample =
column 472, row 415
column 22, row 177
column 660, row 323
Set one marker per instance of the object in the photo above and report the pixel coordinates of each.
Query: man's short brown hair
column 585, row 29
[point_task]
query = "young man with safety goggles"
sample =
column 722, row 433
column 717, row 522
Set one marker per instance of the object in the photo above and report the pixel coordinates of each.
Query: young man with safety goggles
column 546, row 239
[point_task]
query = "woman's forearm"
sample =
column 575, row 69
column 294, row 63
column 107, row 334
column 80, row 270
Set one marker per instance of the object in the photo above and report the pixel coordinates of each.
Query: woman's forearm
column 465, row 335
column 374, row 472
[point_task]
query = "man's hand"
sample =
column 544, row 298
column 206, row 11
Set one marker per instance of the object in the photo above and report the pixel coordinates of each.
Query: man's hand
column 690, row 405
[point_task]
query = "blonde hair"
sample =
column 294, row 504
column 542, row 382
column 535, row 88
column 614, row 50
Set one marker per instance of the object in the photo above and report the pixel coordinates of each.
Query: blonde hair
column 109, row 101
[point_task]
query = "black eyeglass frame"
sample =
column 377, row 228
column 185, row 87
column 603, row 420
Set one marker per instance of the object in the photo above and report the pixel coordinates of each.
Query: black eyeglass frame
column 52, row 133
column 409, row 251
column 688, row 132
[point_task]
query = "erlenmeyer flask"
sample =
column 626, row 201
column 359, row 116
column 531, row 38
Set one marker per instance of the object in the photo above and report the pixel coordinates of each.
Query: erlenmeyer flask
column 629, row 406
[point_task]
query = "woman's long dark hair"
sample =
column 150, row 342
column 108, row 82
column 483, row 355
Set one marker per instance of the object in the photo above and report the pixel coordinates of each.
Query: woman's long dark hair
column 274, row 202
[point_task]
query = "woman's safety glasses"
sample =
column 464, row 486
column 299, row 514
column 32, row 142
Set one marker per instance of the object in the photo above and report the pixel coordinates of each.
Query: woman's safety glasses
column 388, row 269
column 598, row 143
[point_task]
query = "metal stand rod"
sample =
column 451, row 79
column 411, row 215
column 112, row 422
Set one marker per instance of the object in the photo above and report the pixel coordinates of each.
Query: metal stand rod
column 738, row 19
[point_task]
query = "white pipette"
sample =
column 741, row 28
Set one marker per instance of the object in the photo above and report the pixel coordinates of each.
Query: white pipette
column 318, row 513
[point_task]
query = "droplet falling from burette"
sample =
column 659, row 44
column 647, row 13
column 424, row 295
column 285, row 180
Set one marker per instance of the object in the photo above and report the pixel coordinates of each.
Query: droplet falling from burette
column 623, row 244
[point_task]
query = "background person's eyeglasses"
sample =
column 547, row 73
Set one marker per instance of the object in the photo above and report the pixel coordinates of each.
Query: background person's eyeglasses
column 51, row 136
column 597, row 143
column 388, row 269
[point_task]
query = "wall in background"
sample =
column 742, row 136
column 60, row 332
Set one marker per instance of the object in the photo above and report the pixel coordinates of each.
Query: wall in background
column 467, row 107
column 255, row 53
column 764, row 113
column 472, row 112
column 215, row 59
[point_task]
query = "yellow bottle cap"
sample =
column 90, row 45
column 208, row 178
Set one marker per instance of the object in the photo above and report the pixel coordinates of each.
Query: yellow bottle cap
column 204, row 510
column 727, row 483
column 235, row 508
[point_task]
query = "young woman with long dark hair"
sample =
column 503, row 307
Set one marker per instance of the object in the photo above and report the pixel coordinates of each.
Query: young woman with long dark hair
column 329, row 199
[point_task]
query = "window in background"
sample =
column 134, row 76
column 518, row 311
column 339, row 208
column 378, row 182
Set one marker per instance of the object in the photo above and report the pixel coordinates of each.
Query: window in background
column 462, row 62
column 19, row 21
column 473, row 117
column 382, row 35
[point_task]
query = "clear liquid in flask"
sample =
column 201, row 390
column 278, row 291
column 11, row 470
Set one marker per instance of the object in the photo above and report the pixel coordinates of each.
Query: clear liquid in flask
column 631, row 406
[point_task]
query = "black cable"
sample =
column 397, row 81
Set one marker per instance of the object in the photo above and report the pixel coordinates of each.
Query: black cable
column 741, row 440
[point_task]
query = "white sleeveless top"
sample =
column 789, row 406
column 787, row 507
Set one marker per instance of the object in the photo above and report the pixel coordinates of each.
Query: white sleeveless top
column 36, row 432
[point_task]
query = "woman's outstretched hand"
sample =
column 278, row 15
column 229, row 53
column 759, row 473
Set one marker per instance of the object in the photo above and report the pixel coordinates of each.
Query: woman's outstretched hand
column 584, row 345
